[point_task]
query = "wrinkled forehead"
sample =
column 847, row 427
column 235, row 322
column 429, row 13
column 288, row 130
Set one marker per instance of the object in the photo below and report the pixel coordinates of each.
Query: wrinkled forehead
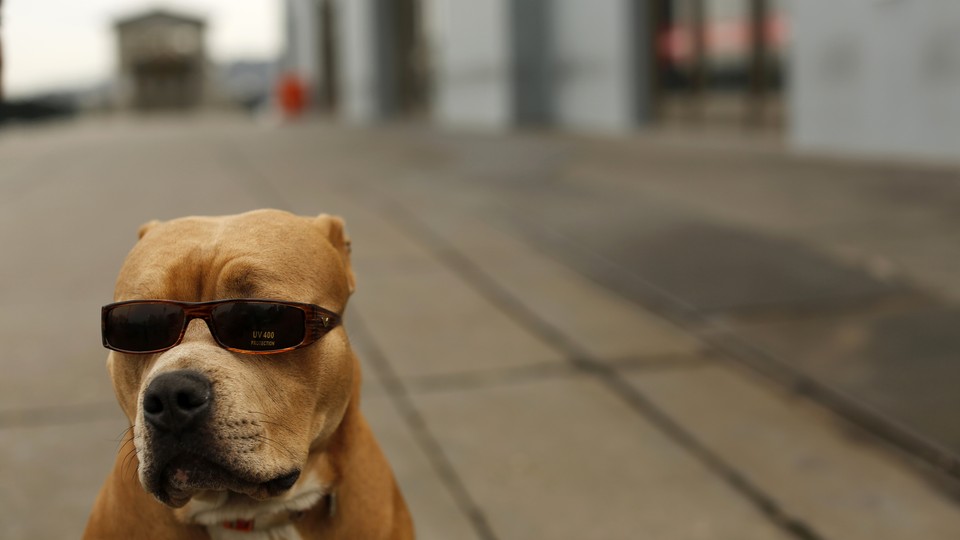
column 197, row 259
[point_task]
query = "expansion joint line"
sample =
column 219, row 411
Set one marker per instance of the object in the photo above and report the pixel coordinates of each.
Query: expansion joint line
column 400, row 397
column 584, row 362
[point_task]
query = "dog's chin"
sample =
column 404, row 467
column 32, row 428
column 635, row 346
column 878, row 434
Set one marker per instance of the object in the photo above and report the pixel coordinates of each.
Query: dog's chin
column 187, row 475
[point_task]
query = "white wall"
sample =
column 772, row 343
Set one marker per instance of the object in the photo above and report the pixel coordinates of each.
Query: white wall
column 471, row 48
column 593, row 72
column 876, row 76
column 358, row 78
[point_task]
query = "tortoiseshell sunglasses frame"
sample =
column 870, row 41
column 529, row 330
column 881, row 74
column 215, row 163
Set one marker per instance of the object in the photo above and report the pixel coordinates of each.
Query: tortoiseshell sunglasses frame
column 317, row 320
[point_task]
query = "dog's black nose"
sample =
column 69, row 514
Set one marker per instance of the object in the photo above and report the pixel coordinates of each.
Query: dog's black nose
column 176, row 401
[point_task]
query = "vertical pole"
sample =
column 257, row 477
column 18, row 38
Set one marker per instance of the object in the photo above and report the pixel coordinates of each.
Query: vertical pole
column 648, row 18
column 328, row 56
column 657, row 20
column 699, row 69
column 532, row 47
column 758, row 63
column 386, row 57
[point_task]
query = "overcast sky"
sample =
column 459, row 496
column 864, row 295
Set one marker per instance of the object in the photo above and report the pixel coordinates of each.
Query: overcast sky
column 57, row 43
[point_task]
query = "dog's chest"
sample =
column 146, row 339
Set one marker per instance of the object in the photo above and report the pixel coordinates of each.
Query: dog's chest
column 285, row 532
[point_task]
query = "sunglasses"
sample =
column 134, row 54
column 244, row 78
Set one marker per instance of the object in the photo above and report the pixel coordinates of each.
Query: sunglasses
column 243, row 325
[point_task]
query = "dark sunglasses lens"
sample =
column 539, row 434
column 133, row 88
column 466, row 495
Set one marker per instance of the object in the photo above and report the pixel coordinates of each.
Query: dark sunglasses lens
column 259, row 326
column 143, row 327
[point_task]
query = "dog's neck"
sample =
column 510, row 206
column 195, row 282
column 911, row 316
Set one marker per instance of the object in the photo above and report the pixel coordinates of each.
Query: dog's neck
column 228, row 515
column 273, row 520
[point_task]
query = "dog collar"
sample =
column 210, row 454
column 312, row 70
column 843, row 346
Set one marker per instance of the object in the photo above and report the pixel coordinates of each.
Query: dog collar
column 278, row 520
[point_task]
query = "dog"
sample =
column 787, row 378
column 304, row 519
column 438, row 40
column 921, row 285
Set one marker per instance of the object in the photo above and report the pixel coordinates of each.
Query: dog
column 240, row 429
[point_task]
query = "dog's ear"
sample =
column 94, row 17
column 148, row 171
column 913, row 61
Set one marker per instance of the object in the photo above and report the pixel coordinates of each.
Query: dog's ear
column 335, row 231
column 146, row 227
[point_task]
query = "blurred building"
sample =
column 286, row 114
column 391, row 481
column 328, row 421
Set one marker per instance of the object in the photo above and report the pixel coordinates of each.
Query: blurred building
column 877, row 76
column 163, row 64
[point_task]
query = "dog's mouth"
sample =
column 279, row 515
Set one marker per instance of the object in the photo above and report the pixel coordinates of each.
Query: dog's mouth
column 187, row 474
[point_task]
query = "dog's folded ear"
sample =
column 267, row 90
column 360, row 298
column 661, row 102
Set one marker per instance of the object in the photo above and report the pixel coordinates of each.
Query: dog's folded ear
column 146, row 227
column 335, row 231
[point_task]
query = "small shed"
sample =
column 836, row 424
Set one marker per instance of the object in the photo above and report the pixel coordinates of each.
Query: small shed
column 162, row 61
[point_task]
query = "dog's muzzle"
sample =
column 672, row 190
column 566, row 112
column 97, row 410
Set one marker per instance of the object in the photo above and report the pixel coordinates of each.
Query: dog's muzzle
column 185, row 454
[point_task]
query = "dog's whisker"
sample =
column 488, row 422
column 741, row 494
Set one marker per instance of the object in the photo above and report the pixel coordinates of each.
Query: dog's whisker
column 129, row 454
column 132, row 450
column 127, row 460
column 272, row 421
column 123, row 444
column 123, row 439
column 277, row 445
column 278, row 424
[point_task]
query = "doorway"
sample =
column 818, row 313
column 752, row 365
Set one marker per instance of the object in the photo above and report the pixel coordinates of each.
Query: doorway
column 720, row 62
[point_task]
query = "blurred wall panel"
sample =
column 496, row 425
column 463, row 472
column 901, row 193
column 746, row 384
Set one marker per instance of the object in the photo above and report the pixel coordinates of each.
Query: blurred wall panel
column 596, row 50
column 876, row 77
column 358, row 92
column 472, row 63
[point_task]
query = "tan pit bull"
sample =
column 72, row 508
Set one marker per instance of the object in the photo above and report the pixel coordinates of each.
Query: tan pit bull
column 248, row 426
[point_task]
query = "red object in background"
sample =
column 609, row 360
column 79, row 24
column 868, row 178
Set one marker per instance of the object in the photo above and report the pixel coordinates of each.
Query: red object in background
column 721, row 38
column 292, row 94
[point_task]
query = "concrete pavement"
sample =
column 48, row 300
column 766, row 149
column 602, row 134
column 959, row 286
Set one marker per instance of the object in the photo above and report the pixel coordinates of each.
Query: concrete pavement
column 516, row 394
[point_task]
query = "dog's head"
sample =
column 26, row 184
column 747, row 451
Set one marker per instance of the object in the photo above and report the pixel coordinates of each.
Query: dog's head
column 205, row 418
